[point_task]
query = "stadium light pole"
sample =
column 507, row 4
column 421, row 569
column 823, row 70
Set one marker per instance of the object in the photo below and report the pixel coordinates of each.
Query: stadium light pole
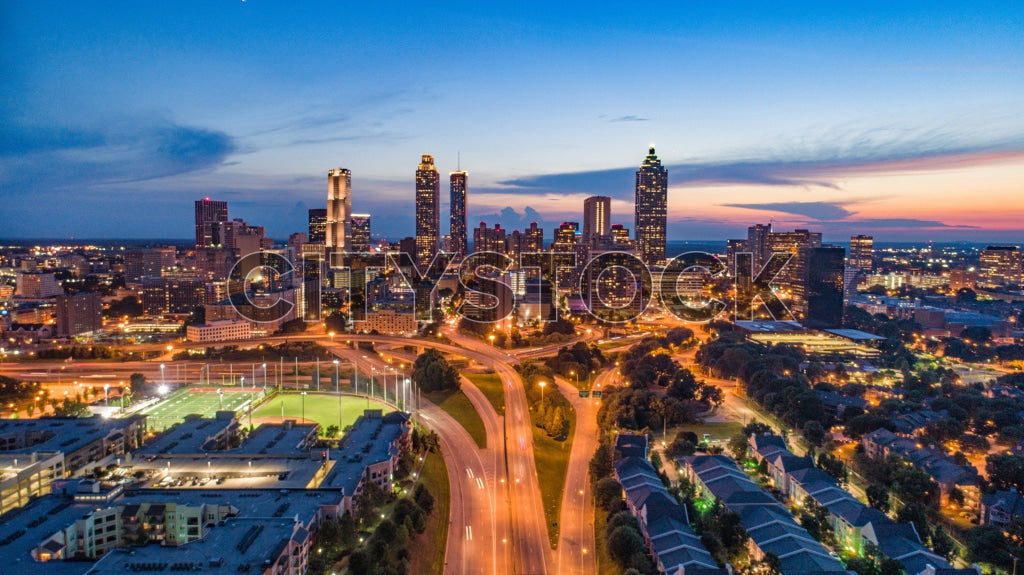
column 303, row 394
column 162, row 378
column 337, row 378
column 106, row 388
column 264, row 378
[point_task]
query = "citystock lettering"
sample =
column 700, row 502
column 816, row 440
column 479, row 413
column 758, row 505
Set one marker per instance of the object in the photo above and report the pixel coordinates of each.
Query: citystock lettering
column 616, row 287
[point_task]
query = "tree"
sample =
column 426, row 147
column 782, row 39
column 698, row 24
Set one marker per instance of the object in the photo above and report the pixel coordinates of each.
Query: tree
column 987, row 544
column 1005, row 471
column 137, row 380
column 814, row 433
column 602, row 463
column 738, row 446
column 431, row 372
column 294, row 326
column 878, row 497
column 606, row 491
column 942, row 543
column 624, row 542
column 424, row 498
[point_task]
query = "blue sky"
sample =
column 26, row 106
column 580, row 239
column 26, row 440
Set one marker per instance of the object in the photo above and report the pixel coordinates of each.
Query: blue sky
column 905, row 120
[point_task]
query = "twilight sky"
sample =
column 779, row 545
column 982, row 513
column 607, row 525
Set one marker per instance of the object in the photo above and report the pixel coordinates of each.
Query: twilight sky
column 900, row 119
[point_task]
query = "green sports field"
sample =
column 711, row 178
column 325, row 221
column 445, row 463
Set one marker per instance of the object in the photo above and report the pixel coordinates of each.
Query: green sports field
column 321, row 408
column 204, row 401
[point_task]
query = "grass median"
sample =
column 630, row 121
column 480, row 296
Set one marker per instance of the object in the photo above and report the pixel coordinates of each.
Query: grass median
column 427, row 550
column 456, row 404
column 551, row 458
column 490, row 385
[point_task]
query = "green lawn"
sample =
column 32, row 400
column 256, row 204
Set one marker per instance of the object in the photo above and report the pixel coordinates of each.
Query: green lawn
column 457, row 405
column 427, row 550
column 605, row 565
column 717, row 429
column 491, row 386
column 199, row 400
column 320, row 407
column 552, row 460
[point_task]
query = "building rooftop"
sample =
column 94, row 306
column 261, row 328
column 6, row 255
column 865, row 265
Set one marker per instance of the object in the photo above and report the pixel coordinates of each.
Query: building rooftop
column 370, row 440
column 189, row 436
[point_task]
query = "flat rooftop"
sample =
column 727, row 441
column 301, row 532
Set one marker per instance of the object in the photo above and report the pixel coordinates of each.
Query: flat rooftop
column 64, row 434
column 277, row 439
column 26, row 527
column 188, row 436
column 240, row 545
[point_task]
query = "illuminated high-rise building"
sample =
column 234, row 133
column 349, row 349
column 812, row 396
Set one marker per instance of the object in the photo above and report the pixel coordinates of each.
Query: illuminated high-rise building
column 360, row 238
column 209, row 217
column 757, row 245
column 651, row 209
column 861, row 252
column 317, row 226
column 596, row 218
column 1000, row 266
column 791, row 280
column 428, row 211
column 533, row 241
column 339, row 208
column 458, row 231
column 566, row 237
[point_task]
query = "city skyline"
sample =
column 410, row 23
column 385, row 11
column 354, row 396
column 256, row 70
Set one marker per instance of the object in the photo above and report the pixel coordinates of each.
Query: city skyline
column 808, row 116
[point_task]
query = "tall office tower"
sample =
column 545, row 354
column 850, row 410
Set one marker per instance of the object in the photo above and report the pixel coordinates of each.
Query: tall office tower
column 861, row 252
column 79, row 313
column 791, row 280
column 317, row 225
column 757, row 238
column 514, row 243
column 534, row 241
column 489, row 239
column 1000, row 266
column 566, row 237
column 824, row 287
column 458, row 231
column 140, row 263
column 172, row 295
column 339, row 208
column 360, row 239
column 597, row 212
column 651, row 209
column 428, row 211
column 209, row 216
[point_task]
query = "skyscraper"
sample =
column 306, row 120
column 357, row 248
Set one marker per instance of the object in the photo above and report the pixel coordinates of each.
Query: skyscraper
column 792, row 278
column 757, row 245
column 339, row 208
column 79, row 313
column 360, row 239
column 596, row 218
column 209, row 216
column 317, row 226
column 824, row 287
column 651, row 209
column 428, row 211
column 458, row 231
column 861, row 252
column 534, row 240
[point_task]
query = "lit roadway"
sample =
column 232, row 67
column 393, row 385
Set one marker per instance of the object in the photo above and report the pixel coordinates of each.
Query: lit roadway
column 575, row 553
column 531, row 549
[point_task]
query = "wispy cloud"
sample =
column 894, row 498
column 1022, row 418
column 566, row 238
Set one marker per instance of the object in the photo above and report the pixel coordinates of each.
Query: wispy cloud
column 820, row 163
column 629, row 118
column 815, row 210
column 43, row 157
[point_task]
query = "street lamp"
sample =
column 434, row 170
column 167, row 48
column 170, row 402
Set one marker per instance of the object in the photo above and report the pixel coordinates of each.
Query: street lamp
column 491, row 337
column 542, row 385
